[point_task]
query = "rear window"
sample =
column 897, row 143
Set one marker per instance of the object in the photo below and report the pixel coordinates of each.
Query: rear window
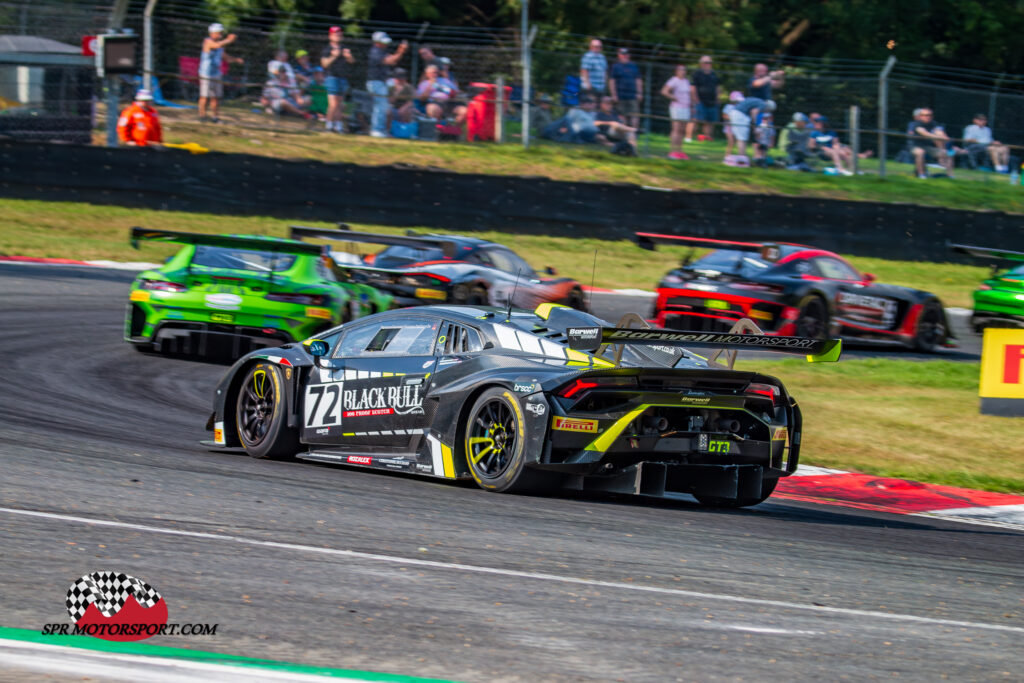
column 397, row 255
column 1016, row 272
column 242, row 259
column 729, row 261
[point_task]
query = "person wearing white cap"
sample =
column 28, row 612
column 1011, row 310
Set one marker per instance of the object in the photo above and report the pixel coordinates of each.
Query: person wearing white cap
column 138, row 125
column 211, row 83
column 377, row 73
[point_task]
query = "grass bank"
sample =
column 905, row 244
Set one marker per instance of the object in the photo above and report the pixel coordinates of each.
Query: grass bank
column 86, row 231
column 244, row 131
column 906, row 419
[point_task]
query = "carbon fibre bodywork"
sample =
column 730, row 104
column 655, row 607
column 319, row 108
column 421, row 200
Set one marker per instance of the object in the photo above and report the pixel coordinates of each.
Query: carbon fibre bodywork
column 661, row 420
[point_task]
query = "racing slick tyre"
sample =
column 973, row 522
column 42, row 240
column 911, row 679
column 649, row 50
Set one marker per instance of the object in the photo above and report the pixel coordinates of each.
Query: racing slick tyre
column 576, row 300
column 931, row 328
column 812, row 321
column 477, row 296
column 767, row 488
column 260, row 415
column 495, row 441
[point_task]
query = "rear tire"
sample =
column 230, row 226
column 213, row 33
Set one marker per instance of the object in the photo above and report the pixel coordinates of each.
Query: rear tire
column 931, row 328
column 477, row 297
column 494, row 444
column 767, row 488
column 576, row 299
column 260, row 415
column 812, row 322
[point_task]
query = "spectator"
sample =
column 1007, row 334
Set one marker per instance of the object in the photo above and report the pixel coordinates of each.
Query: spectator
column 978, row 138
column 680, row 95
column 593, row 69
column 317, row 93
column 211, row 78
column 617, row 134
column 826, row 142
column 428, row 57
column 438, row 95
column 303, row 68
column 335, row 61
column 541, row 116
column 444, row 66
column 764, row 139
column 762, row 82
column 280, row 61
column 626, row 88
column 708, row 90
column 581, row 122
column 138, row 125
column 928, row 139
column 401, row 97
column 795, row 141
column 380, row 63
column 281, row 98
column 743, row 116
column 735, row 97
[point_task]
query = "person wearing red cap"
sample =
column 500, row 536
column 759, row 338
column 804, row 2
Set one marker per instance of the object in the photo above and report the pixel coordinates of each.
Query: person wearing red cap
column 139, row 125
column 335, row 60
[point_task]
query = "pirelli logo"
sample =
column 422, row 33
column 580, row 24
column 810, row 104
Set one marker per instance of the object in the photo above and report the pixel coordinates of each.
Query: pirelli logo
column 570, row 424
column 780, row 434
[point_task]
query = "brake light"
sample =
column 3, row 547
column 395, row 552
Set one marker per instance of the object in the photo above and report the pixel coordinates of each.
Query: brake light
column 580, row 385
column 162, row 286
column 301, row 299
column 983, row 287
column 769, row 391
column 754, row 287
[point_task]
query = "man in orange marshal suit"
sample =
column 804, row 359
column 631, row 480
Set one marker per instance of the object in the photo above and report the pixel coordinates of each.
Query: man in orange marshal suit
column 139, row 125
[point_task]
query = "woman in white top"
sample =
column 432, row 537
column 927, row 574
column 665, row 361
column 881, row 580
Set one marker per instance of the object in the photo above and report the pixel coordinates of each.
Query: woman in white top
column 681, row 97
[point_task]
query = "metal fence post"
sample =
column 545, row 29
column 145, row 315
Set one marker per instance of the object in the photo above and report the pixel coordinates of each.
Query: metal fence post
column 147, row 46
column 883, row 111
column 414, row 72
column 524, row 39
column 499, row 111
column 647, row 99
column 855, row 137
column 992, row 101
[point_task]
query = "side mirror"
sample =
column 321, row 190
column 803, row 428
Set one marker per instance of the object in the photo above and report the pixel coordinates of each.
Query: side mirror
column 550, row 271
column 318, row 349
column 869, row 277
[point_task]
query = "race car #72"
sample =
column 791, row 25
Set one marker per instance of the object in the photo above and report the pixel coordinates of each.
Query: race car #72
column 552, row 399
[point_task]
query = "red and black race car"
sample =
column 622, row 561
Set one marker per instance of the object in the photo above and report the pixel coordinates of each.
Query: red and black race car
column 431, row 269
column 791, row 289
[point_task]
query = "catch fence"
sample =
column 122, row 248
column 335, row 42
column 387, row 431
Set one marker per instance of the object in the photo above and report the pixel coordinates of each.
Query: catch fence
column 828, row 87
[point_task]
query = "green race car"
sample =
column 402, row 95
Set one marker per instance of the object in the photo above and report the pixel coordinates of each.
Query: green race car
column 227, row 295
column 999, row 301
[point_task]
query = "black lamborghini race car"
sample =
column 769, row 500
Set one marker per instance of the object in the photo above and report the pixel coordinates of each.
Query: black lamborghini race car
column 518, row 400
column 431, row 269
column 792, row 289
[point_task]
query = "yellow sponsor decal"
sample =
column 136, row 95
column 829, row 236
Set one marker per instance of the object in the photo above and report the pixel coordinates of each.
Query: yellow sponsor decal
column 139, row 295
column 760, row 315
column 572, row 424
column 221, row 318
column 425, row 293
column 322, row 313
column 780, row 434
column 218, row 435
column 717, row 303
column 1002, row 364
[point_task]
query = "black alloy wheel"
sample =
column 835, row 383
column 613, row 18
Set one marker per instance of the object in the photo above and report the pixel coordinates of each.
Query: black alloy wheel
column 491, row 438
column 931, row 328
column 812, row 321
column 260, row 414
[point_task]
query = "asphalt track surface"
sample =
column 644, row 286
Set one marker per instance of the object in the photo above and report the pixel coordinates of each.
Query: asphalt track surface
column 339, row 567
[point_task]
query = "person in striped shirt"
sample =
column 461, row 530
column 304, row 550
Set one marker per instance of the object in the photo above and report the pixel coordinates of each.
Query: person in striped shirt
column 594, row 69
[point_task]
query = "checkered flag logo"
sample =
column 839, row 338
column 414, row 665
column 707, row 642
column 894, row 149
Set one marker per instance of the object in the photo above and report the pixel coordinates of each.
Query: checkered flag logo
column 108, row 591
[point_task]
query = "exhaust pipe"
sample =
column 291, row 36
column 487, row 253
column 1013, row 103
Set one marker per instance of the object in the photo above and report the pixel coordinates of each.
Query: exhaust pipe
column 728, row 425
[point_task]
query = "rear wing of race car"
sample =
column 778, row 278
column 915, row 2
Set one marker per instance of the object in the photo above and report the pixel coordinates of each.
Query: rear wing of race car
column 985, row 252
column 769, row 251
column 343, row 234
column 250, row 242
column 593, row 338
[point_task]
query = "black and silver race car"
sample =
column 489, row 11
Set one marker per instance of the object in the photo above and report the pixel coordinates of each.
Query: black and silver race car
column 792, row 289
column 430, row 269
column 522, row 401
